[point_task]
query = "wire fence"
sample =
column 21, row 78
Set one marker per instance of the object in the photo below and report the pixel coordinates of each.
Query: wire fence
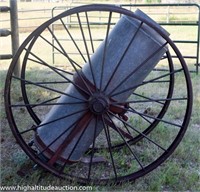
column 29, row 19
column 179, row 19
column 187, row 15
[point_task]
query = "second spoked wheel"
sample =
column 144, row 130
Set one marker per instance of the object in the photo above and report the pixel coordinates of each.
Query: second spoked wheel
column 68, row 117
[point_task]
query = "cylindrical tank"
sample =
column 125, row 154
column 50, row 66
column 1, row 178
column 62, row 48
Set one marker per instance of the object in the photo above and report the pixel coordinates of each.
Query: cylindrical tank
column 132, row 51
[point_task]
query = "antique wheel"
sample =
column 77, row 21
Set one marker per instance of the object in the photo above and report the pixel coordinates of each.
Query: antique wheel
column 74, row 126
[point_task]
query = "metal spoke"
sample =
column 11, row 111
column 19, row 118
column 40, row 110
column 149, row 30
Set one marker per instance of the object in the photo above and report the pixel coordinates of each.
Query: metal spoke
column 105, row 50
column 146, row 82
column 137, row 68
column 56, row 70
column 158, row 100
column 44, row 63
column 148, row 99
column 133, row 128
column 51, row 89
column 66, row 55
column 106, row 130
column 87, row 51
column 162, row 76
column 73, row 40
column 155, row 118
column 151, row 117
column 63, row 53
column 127, row 128
column 50, row 82
column 89, row 31
column 127, row 144
column 47, row 123
column 46, row 104
column 142, row 117
column 123, row 55
column 164, row 81
column 49, row 100
column 126, row 134
column 93, row 146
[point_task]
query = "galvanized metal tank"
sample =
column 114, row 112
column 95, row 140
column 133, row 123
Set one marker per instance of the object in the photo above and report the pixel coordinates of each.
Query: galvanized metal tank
column 130, row 57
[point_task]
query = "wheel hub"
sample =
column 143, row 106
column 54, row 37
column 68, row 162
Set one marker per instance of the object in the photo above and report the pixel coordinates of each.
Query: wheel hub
column 98, row 103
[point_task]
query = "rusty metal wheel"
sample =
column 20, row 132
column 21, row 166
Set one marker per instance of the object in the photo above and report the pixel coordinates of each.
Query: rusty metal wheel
column 89, row 116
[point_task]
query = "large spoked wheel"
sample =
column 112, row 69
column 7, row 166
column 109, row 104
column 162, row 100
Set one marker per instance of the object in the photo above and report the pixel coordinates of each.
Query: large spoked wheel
column 137, row 134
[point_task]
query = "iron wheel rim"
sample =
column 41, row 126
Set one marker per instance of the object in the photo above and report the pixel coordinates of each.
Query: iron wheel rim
column 134, row 175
